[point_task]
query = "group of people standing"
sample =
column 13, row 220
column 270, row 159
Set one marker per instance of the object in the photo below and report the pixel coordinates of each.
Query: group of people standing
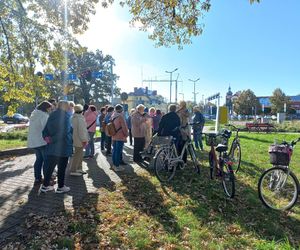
column 63, row 133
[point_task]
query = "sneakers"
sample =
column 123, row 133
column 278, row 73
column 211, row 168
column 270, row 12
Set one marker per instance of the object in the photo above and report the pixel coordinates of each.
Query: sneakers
column 44, row 189
column 118, row 169
column 76, row 174
column 63, row 189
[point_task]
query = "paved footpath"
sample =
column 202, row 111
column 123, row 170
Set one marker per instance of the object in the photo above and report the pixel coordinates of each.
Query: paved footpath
column 18, row 197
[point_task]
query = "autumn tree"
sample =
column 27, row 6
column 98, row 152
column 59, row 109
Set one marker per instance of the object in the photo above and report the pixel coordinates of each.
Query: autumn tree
column 168, row 22
column 278, row 100
column 89, row 88
column 246, row 103
column 30, row 31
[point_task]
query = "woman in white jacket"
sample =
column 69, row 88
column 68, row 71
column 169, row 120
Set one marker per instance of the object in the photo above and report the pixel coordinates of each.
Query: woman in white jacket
column 80, row 140
column 37, row 122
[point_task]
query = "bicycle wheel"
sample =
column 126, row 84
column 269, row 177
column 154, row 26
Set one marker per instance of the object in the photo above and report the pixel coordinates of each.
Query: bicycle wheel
column 235, row 156
column 278, row 188
column 212, row 164
column 164, row 169
column 228, row 180
column 194, row 159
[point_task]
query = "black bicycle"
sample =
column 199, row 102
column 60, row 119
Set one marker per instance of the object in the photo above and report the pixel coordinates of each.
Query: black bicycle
column 278, row 187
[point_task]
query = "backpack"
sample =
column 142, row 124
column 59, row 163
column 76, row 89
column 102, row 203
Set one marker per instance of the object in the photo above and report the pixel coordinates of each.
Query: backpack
column 111, row 129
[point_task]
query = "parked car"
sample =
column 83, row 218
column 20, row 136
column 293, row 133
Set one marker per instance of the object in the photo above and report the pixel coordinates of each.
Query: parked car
column 16, row 118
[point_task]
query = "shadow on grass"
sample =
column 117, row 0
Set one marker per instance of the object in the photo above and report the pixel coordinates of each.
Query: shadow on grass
column 209, row 204
column 141, row 193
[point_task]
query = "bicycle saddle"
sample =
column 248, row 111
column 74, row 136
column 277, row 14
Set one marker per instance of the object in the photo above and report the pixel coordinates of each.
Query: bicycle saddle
column 221, row 148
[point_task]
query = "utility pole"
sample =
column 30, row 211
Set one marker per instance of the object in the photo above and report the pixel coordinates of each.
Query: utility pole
column 176, row 88
column 171, row 72
column 194, row 81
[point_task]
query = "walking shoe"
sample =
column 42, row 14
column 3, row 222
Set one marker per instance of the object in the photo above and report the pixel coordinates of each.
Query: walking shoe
column 75, row 174
column 81, row 171
column 118, row 169
column 63, row 189
column 38, row 182
column 44, row 189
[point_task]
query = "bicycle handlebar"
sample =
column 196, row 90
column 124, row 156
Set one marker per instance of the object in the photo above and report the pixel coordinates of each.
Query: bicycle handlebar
column 231, row 125
column 292, row 143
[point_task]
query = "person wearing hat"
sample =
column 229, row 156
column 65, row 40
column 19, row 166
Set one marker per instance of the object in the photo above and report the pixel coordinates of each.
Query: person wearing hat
column 80, row 140
column 119, row 138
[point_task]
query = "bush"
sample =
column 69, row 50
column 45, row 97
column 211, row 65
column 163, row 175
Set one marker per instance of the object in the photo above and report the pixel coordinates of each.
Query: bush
column 17, row 135
column 288, row 126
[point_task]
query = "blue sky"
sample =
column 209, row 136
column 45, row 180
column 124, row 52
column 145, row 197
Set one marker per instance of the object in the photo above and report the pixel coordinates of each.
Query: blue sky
column 245, row 46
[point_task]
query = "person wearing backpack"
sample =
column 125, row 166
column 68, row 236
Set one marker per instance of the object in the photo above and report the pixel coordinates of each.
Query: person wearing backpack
column 90, row 117
column 119, row 138
column 197, row 129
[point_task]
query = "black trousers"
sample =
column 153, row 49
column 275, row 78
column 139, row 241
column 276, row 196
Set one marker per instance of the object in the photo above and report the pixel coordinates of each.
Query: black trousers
column 180, row 148
column 138, row 146
column 130, row 136
column 49, row 166
column 108, row 144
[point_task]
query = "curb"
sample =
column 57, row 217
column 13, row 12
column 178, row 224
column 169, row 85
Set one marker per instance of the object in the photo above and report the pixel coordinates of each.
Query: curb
column 25, row 151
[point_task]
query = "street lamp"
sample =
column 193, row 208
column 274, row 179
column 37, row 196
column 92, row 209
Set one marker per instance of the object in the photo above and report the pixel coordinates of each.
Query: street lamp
column 194, row 81
column 171, row 72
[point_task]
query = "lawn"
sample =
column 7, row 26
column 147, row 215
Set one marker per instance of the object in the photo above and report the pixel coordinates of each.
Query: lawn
column 191, row 212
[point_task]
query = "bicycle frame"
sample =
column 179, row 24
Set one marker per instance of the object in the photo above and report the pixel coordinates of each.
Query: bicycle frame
column 179, row 158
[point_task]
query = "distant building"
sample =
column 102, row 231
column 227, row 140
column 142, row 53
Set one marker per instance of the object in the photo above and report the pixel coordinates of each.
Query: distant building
column 146, row 97
column 229, row 100
column 266, row 103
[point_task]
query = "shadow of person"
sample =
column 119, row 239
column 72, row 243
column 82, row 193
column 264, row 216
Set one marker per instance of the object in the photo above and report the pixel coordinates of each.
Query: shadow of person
column 98, row 174
column 142, row 195
column 26, row 205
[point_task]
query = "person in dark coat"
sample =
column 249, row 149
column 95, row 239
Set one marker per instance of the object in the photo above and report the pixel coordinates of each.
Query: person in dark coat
column 197, row 128
column 58, row 135
column 169, row 123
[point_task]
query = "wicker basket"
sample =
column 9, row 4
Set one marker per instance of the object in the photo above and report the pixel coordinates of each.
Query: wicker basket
column 158, row 141
column 279, row 155
column 213, row 139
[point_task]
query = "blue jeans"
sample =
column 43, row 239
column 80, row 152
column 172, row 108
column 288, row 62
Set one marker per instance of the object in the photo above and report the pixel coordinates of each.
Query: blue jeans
column 90, row 148
column 198, row 140
column 117, row 152
column 39, row 162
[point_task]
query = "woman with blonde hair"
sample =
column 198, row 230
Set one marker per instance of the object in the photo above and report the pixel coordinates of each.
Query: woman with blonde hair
column 184, row 115
column 138, row 125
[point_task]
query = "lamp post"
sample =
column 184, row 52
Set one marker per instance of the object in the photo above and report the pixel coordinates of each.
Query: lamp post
column 194, row 81
column 171, row 72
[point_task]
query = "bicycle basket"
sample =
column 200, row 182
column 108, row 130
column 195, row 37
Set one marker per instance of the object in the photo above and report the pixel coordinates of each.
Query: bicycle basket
column 215, row 139
column 279, row 155
column 161, row 140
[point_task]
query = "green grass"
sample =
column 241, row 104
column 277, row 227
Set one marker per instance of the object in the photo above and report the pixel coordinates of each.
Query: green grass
column 191, row 212
column 11, row 144
column 16, row 139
